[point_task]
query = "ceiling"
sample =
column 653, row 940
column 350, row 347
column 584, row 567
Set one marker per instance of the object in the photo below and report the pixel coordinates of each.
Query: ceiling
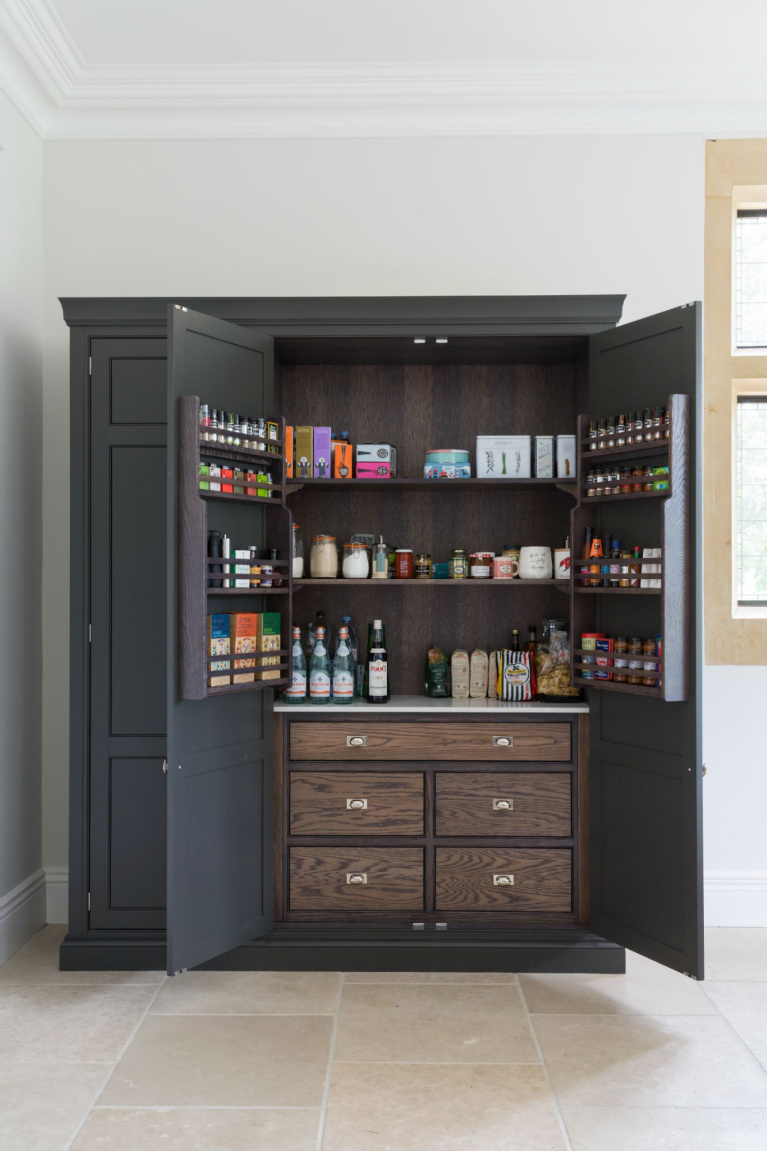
column 293, row 68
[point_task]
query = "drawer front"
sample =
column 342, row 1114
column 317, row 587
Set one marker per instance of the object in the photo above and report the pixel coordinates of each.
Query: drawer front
column 355, row 803
column 503, row 803
column 522, row 879
column 501, row 742
column 356, row 879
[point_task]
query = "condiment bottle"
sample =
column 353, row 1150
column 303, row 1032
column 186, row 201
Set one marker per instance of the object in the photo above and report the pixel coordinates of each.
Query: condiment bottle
column 649, row 665
column 422, row 569
column 620, row 648
column 636, row 569
column 458, row 567
column 403, row 563
column 380, row 560
column 514, row 639
column 592, row 434
column 595, row 567
column 615, row 564
column 625, row 569
column 636, row 648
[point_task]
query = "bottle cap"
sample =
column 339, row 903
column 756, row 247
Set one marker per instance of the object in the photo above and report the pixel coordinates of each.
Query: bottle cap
column 377, row 624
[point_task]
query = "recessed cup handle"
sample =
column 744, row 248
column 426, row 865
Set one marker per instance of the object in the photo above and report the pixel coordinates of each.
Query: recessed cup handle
column 356, row 741
column 356, row 805
column 356, row 878
column 503, row 881
column 503, row 805
column 503, row 741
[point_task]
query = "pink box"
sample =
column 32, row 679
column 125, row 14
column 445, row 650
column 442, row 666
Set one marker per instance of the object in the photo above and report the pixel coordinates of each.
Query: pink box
column 323, row 462
column 373, row 471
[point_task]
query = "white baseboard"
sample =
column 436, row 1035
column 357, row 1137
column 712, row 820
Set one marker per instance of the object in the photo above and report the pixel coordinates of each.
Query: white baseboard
column 57, row 894
column 735, row 898
column 22, row 914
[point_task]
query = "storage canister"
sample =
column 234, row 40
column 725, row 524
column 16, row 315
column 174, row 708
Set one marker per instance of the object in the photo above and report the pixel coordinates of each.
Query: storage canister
column 403, row 563
column 323, row 559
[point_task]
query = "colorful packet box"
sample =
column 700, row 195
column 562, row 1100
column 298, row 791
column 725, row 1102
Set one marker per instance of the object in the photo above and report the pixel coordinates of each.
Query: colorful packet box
column 322, row 453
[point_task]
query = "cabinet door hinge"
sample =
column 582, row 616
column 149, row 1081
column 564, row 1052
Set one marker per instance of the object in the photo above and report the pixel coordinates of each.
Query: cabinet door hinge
column 89, row 900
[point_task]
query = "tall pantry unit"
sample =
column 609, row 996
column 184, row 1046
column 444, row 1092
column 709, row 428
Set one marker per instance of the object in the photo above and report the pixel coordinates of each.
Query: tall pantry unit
column 201, row 812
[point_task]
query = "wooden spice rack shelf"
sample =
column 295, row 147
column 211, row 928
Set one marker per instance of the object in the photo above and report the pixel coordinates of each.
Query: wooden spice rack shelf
column 195, row 566
column 532, row 484
column 454, row 583
column 590, row 605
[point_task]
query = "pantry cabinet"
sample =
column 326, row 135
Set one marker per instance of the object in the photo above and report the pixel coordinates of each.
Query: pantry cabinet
column 221, row 827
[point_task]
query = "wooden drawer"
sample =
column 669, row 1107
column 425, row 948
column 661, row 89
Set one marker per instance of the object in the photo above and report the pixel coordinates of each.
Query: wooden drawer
column 330, row 803
column 467, row 879
column 500, row 742
column 503, row 803
column 320, row 878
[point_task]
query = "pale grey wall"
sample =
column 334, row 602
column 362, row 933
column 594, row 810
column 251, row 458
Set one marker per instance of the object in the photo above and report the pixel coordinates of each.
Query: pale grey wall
column 21, row 462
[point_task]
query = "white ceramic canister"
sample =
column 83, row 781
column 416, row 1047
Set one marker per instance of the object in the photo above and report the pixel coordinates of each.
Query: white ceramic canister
column 535, row 563
column 566, row 457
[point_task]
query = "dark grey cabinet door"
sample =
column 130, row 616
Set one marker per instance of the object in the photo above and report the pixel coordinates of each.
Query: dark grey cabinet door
column 645, row 762
column 220, row 877
column 126, row 794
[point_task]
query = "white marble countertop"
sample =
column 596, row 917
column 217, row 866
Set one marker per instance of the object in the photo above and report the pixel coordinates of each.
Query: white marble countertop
column 429, row 705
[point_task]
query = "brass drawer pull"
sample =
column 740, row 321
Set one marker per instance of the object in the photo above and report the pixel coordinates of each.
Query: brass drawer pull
column 503, row 805
column 503, row 741
column 503, row 881
column 356, row 805
column 356, row 878
column 356, row 741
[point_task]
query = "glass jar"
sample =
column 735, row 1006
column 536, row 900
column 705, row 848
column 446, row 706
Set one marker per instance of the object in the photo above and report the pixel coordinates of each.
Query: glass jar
column 403, row 563
column 620, row 649
column 599, row 483
column 638, row 480
column 648, row 479
column 297, row 552
column 591, row 484
column 610, row 432
column 323, row 559
column 626, row 568
column 458, row 568
column 636, row 648
column 625, row 481
column 380, row 560
column 481, row 565
column 356, row 562
column 649, row 664
column 422, row 569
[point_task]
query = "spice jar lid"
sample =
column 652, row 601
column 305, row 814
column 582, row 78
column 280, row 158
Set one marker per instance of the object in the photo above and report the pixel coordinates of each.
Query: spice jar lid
column 324, row 539
column 296, row 527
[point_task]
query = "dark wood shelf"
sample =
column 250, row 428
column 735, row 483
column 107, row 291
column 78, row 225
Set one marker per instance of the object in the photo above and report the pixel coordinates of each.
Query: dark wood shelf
column 248, row 591
column 628, row 452
column 662, row 494
column 235, row 452
column 532, row 484
column 208, row 495
column 455, row 583
column 257, row 685
column 627, row 591
column 610, row 685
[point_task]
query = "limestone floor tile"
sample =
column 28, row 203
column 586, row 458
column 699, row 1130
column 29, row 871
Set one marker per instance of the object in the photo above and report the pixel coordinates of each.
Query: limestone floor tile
column 42, row 1024
column 744, row 1005
column 433, row 1023
column 199, row 1129
column 666, row 1128
column 380, row 1107
column 38, row 962
column 649, row 1061
column 249, row 993
column 224, row 1061
column 647, row 988
column 430, row 977
column 42, row 1105
column 735, row 953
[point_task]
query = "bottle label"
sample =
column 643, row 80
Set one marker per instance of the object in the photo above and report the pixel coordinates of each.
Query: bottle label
column 378, row 677
column 297, row 686
column 343, row 685
column 319, row 685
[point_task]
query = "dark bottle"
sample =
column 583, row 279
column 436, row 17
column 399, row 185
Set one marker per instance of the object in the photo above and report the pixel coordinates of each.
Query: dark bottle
column 378, row 665
column 615, row 565
column 532, row 641
column 515, row 640
column 214, row 552
column 276, row 579
column 592, row 434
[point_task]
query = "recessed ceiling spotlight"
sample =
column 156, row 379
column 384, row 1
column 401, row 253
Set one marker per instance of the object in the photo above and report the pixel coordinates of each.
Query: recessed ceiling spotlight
column 419, row 340
column 441, row 340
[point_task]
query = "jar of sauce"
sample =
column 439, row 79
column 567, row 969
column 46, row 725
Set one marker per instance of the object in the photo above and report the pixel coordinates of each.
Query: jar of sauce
column 636, row 648
column 481, row 565
column 403, row 563
column 422, row 569
column 356, row 564
column 620, row 649
column 649, row 664
column 458, row 567
column 323, row 559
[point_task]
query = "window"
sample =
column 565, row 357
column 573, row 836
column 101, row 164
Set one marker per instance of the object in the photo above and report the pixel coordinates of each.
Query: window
column 751, row 278
column 751, row 501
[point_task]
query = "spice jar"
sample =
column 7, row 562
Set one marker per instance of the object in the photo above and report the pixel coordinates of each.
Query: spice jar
column 422, row 569
column 323, row 559
column 620, row 649
column 636, row 648
column 458, row 568
column 648, row 479
column 481, row 565
column 591, row 484
column 625, row 481
column 626, row 568
column 638, row 477
column 356, row 564
column 403, row 563
column 649, row 665
column 297, row 552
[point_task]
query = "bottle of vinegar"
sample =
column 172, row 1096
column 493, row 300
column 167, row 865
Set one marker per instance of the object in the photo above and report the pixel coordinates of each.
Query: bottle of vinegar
column 319, row 670
column 296, row 690
column 343, row 669
column 378, row 666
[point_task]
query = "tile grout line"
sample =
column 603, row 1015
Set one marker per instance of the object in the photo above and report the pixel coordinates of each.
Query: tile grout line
column 115, row 1065
column 331, row 1060
column 732, row 1027
column 552, row 1092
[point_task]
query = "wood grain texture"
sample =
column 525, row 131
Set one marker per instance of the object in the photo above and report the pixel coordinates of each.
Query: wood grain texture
column 542, row 879
column 541, row 804
column 430, row 741
column 318, row 803
column 318, row 878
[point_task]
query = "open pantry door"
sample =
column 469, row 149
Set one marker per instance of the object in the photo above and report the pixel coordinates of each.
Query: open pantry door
column 645, row 762
column 220, row 748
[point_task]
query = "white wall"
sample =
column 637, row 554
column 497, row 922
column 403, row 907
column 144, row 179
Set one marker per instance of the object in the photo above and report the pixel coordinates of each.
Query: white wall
column 22, row 883
column 385, row 217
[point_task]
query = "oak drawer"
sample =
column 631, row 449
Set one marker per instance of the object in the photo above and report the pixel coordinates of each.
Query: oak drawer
column 522, row 879
column 355, row 803
column 500, row 742
column 390, row 878
column 503, row 803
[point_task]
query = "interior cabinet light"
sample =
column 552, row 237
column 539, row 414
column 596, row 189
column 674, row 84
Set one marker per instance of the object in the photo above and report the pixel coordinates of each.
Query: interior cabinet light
column 419, row 340
column 441, row 340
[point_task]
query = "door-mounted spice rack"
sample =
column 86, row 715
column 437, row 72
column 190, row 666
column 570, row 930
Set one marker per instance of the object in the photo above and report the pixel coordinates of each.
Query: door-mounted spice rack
column 197, row 571
column 591, row 605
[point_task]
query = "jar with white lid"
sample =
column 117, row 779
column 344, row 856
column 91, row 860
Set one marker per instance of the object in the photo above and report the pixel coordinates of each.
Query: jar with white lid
column 356, row 563
column 323, row 560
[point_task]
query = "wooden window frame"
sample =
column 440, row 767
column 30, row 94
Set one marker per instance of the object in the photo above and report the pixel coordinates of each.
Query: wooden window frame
column 736, row 171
